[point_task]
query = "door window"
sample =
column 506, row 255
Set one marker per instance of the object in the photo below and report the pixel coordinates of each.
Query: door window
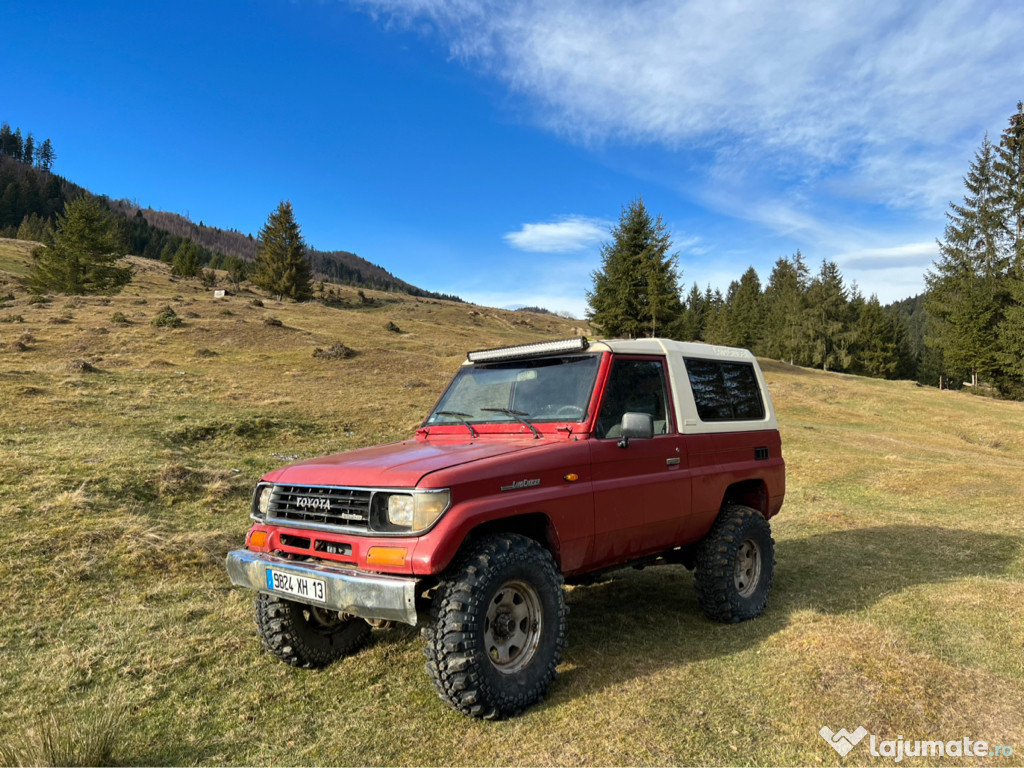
column 634, row 386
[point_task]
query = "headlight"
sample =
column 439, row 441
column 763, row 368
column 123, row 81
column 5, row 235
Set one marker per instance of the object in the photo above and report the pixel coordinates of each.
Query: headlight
column 408, row 512
column 265, row 495
column 401, row 510
column 261, row 501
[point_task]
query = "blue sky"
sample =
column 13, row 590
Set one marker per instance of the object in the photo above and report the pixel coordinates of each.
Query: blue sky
column 485, row 148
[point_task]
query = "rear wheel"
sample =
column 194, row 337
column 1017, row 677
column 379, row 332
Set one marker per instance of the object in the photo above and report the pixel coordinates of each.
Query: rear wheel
column 305, row 635
column 735, row 565
column 497, row 628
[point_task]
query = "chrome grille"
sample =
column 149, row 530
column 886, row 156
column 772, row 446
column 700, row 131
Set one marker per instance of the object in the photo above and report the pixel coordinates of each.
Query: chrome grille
column 317, row 505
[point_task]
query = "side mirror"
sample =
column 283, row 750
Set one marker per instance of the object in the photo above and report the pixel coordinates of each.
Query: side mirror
column 636, row 425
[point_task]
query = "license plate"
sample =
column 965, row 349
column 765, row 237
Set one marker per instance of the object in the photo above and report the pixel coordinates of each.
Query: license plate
column 299, row 586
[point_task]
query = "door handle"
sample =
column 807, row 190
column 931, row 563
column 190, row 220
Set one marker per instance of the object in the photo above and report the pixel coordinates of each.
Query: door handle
column 672, row 462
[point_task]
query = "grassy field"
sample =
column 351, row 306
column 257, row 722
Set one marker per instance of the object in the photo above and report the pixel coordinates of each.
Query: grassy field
column 128, row 453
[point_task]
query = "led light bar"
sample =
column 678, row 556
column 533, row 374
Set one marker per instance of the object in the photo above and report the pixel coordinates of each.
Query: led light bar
column 577, row 344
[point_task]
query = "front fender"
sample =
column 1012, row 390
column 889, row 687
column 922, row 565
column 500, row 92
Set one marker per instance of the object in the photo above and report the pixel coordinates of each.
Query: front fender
column 567, row 506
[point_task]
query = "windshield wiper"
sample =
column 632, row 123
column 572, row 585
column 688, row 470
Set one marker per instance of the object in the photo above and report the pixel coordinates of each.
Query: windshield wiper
column 517, row 415
column 461, row 418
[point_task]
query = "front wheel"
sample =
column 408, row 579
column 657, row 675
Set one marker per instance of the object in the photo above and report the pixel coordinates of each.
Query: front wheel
column 497, row 628
column 307, row 636
column 735, row 565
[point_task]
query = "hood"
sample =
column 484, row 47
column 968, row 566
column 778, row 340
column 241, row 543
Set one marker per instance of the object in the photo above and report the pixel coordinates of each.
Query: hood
column 395, row 465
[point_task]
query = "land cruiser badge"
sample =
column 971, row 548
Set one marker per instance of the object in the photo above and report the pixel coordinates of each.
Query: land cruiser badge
column 519, row 484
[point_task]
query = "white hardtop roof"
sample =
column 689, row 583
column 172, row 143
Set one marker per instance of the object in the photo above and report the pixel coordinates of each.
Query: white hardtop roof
column 688, row 420
column 668, row 346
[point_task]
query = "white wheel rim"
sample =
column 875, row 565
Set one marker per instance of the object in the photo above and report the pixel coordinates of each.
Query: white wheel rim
column 512, row 626
column 747, row 570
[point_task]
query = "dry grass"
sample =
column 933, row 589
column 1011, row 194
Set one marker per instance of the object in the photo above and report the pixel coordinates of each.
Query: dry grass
column 87, row 738
column 15, row 256
column 897, row 604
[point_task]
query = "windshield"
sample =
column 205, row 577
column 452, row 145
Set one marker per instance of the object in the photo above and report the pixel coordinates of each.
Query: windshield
column 544, row 389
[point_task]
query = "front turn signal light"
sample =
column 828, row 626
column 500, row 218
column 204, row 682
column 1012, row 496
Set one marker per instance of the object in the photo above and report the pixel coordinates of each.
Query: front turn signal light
column 258, row 539
column 393, row 556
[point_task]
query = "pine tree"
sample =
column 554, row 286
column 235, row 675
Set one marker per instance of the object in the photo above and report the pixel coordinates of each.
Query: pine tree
column 786, row 311
column 883, row 348
column 745, row 311
column 281, row 267
column 636, row 291
column 18, row 146
column 28, row 151
column 854, row 307
column 1009, row 171
column 828, row 310
column 968, row 287
column 716, row 329
column 33, row 227
column 6, row 139
column 46, row 156
column 186, row 260
column 81, row 258
column 237, row 272
column 691, row 322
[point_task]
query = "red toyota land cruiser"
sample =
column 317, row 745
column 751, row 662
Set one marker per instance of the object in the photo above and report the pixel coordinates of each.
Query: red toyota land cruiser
column 540, row 463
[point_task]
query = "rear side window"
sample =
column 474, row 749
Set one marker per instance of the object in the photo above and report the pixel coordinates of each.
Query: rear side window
column 724, row 391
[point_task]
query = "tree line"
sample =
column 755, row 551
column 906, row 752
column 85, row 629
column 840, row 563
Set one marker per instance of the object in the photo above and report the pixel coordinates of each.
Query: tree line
column 966, row 329
column 338, row 266
column 83, row 250
column 976, row 288
column 82, row 253
column 27, row 191
column 797, row 317
column 803, row 318
column 24, row 150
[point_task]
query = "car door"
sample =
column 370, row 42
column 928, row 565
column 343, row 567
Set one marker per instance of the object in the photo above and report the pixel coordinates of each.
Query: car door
column 641, row 490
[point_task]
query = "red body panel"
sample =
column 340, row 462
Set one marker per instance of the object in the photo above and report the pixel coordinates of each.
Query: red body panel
column 395, row 465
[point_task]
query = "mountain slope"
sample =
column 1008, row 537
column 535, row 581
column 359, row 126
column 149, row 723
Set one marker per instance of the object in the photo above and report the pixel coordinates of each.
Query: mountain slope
column 342, row 266
column 26, row 191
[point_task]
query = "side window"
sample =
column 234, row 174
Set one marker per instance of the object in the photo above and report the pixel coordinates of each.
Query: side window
column 724, row 391
column 634, row 386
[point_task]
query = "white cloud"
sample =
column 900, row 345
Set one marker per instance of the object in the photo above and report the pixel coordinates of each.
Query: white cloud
column 898, row 283
column 841, row 128
column 886, row 97
column 568, row 233
column 895, row 257
column 889, row 272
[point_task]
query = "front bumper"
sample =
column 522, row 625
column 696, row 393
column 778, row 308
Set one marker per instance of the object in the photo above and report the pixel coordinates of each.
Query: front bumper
column 367, row 595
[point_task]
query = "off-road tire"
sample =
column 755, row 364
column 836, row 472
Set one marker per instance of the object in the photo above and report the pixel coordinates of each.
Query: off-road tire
column 504, row 573
column 304, row 636
column 731, row 586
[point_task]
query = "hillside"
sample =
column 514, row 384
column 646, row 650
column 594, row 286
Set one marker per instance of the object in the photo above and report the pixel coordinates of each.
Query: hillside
column 129, row 454
column 341, row 266
column 31, row 197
